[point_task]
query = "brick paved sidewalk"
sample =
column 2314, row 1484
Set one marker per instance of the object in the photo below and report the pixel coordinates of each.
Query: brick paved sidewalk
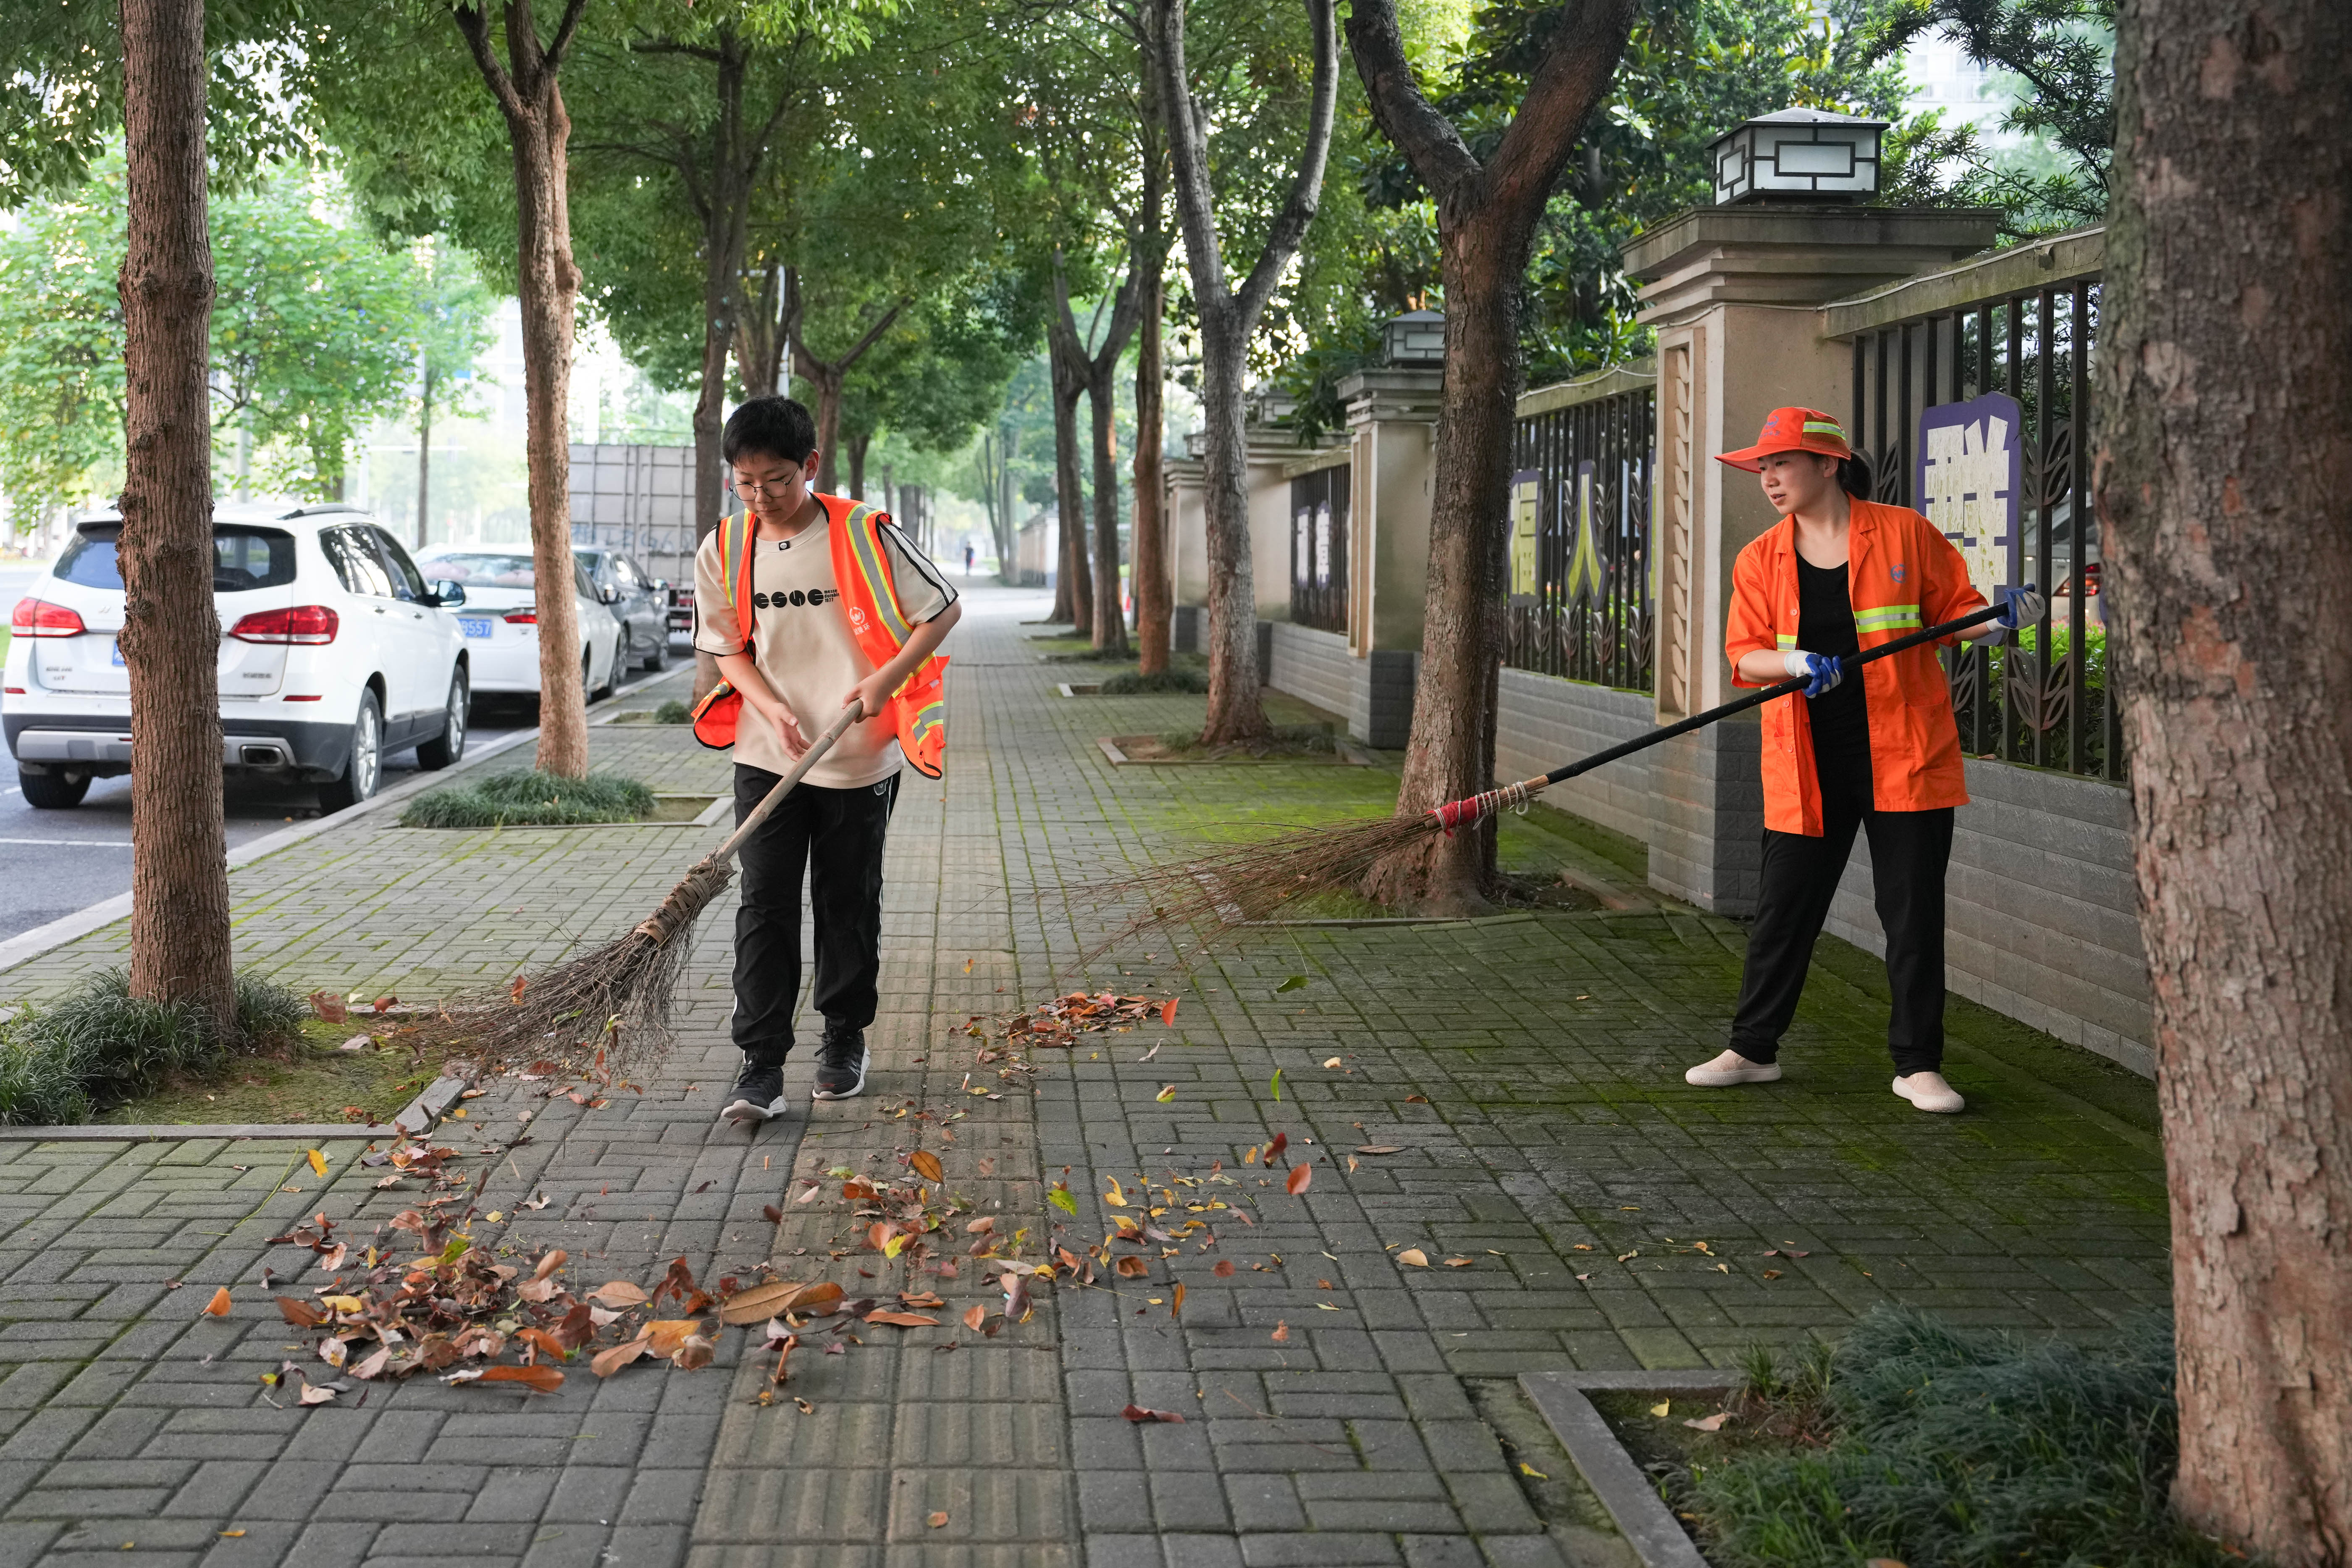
column 1525, row 1069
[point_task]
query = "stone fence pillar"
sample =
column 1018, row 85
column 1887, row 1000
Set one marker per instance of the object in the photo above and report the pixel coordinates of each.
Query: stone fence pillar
column 1733, row 293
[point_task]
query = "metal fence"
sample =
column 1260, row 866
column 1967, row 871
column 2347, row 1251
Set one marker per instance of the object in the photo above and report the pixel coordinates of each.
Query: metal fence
column 1318, row 548
column 2045, row 698
column 1581, row 595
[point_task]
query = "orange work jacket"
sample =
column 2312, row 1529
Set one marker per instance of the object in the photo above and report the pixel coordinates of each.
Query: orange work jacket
column 917, row 712
column 1901, row 575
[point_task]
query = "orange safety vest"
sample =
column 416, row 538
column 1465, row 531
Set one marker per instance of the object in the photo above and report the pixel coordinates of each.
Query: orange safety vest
column 917, row 712
column 1901, row 575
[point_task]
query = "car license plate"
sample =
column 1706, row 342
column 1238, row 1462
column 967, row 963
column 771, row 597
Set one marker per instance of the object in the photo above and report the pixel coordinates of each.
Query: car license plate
column 116, row 650
column 474, row 626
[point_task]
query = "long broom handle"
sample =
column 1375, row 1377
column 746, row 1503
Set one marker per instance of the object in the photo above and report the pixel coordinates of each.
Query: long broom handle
column 1463, row 811
column 784, row 786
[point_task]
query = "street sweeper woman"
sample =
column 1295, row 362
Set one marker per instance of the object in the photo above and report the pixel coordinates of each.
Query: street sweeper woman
column 1881, row 753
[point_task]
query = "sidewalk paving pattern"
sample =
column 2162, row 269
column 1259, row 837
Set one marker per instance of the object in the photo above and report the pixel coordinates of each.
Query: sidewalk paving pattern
column 1526, row 1069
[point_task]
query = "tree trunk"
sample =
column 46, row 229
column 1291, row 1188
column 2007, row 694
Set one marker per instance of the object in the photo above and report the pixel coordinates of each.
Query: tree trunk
column 1487, row 217
column 1236, row 710
column 2225, row 379
column 1154, row 597
column 1074, row 596
column 171, row 635
column 549, row 286
column 425, row 460
column 760, row 335
column 858, row 445
column 1110, row 618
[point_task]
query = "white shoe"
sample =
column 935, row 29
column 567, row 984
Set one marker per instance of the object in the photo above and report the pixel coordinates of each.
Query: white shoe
column 1929, row 1091
column 1731, row 1068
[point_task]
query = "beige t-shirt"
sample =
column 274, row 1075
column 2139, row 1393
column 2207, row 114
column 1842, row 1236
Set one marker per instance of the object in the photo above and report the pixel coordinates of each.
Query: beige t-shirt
column 803, row 646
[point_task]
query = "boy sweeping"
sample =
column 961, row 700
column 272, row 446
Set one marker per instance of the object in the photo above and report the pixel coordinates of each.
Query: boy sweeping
column 808, row 602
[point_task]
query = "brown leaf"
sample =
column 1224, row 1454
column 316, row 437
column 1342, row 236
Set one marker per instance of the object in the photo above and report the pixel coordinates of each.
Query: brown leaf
column 609, row 1362
column 1709, row 1422
column 1274, row 1150
column 1225, row 1268
column 694, row 1354
column 332, row 1260
column 549, row 1262
column 310, row 1396
column 329, row 1007
column 759, row 1301
column 373, row 1366
column 1460, row 1262
column 1379, row 1148
column 577, row 1328
column 1281, row 1334
column 1137, row 1412
column 772, row 1213
column 540, row 1339
column 1296, row 1183
column 823, row 1297
column 299, row 1313
column 903, row 1320
column 1167, row 1013
column 1413, row 1256
column 878, row 1234
column 1131, row 1268
column 926, row 1164
column 976, row 1316
column 938, row 1518
column 980, row 1226
column 619, row 1295
column 1177, row 1304
column 666, row 1334
column 218, row 1306
column 919, row 1299
column 539, row 1291
column 539, row 1379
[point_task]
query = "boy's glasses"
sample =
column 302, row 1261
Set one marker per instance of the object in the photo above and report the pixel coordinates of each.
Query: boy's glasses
column 754, row 490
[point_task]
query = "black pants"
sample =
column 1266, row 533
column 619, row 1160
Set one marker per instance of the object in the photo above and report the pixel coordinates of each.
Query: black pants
column 836, row 835
column 1908, row 853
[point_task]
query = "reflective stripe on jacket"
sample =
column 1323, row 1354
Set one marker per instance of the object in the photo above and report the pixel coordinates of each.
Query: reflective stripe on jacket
column 917, row 713
column 1901, row 575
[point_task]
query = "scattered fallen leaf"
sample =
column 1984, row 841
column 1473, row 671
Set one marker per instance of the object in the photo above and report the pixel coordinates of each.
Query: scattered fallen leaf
column 1661, row 1407
column 903, row 1320
column 619, row 1294
column 218, row 1306
column 941, row 1515
column 1273, row 1149
column 299, row 1313
column 981, row 1225
column 611, row 1361
column 1380, row 1149
column 1131, row 1268
column 772, row 1213
column 1527, row 1469
column 1709, row 1422
column 1459, row 1262
column 1277, row 1084
column 1413, row 1256
column 1416, row 1100
column 926, row 1164
column 311, row 1394
column 549, row 1262
column 1772, row 1274
column 1281, row 1334
column 1292, row 983
column 329, row 1007
column 1166, row 1094
column 1225, row 1268
column 1178, row 1304
column 1167, row 1013
column 975, row 1316
column 539, row 1379
column 1296, row 1181
column 1138, row 1413
column 318, row 1163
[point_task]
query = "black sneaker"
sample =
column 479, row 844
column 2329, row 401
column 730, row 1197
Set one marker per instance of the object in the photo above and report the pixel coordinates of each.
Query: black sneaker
column 759, row 1097
column 840, row 1064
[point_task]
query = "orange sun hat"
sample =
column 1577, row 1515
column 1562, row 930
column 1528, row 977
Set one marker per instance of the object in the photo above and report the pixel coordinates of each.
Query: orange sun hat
column 1793, row 430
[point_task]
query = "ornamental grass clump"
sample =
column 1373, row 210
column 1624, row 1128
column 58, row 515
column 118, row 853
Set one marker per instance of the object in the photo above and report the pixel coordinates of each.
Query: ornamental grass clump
column 1966, row 1449
column 1182, row 678
column 531, row 799
column 673, row 712
column 99, row 1044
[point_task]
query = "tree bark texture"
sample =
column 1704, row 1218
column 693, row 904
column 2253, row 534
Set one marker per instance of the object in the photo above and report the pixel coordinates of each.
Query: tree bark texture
column 826, row 377
column 2225, row 383
column 760, row 334
column 170, row 634
column 1074, row 595
column 1110, row 616
column 723, row 189
column 1154, row 594
column 548, row 282
column 1486, row 220
column 1228, row 318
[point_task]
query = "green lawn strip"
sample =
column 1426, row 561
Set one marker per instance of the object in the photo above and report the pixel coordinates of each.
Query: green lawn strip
column 1924, row 1443
column 531, row 799
column 311, row 1081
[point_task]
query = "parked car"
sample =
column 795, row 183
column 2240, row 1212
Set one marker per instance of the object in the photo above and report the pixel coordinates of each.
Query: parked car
column 500, row 624
column 334, row 653
column 637, row 599
column 681, row 609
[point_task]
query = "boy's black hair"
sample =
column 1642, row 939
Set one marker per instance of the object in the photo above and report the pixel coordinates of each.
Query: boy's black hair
column 771, row 427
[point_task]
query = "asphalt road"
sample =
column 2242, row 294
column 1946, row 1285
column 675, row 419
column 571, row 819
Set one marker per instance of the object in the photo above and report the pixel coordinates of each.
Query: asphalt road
column 53, row 863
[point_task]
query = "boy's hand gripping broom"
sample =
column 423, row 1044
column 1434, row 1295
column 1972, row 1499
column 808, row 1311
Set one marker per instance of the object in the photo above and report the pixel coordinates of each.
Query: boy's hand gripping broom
column 1248, row 882
column 623, row 989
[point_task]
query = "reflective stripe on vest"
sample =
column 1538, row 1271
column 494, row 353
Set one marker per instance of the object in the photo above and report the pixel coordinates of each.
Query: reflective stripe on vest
column 1888, row 619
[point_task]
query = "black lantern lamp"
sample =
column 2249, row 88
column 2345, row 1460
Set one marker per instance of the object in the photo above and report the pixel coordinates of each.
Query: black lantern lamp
column 1416, row 340
column 1797, row 155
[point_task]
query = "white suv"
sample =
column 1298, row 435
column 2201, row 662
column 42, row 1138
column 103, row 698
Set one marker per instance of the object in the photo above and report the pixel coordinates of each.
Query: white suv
column 333, row 653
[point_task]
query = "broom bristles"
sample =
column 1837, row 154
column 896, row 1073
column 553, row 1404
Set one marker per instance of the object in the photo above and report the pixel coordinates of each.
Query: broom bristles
column 615, row 997
column 1242, row 884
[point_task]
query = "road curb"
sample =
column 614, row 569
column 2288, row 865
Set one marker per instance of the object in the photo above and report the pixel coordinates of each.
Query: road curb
column 1648, row 1526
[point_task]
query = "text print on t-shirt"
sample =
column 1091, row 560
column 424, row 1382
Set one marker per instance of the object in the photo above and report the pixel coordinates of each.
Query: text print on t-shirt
column 795, row 599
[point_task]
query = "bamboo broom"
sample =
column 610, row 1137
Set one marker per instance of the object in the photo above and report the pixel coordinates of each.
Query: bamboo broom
column 1246, row 883
column 620, row 992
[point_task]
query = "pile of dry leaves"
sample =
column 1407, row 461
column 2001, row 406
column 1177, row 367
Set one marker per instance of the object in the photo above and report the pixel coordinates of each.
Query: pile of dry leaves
column 1060, row 1021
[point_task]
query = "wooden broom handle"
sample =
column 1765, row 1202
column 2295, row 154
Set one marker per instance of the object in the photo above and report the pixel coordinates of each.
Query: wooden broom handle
column 784, row 786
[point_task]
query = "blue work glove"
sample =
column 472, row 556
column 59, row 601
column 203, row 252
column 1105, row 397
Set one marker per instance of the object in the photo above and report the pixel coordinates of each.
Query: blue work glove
column 2019, row 607
column 1821, row 669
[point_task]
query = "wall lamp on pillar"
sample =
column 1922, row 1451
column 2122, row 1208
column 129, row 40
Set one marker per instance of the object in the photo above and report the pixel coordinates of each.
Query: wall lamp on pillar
column 1798, row 154
column 1415, row 339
